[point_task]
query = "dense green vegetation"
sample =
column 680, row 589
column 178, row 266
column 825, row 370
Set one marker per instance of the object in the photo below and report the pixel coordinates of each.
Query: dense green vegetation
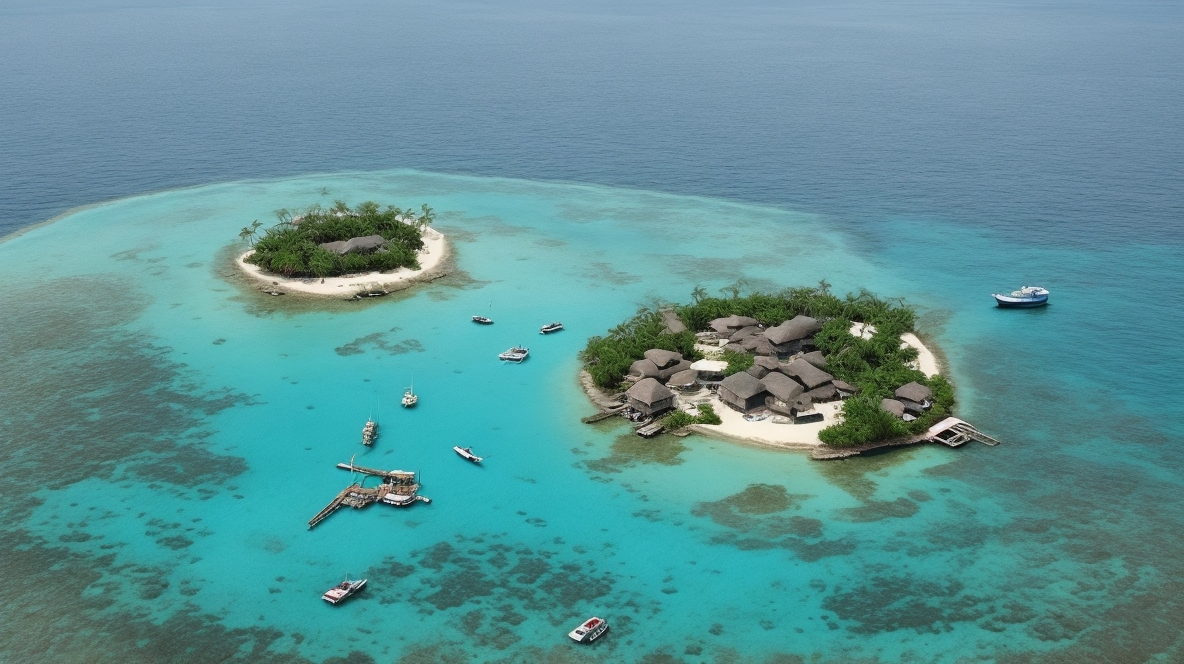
column 293, row 249
column 680, row 418
column 876, row 366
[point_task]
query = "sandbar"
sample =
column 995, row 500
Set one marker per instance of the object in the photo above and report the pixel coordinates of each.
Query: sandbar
column 431, row 263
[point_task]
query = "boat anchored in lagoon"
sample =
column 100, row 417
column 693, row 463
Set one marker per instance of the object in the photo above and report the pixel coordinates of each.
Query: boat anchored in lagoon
column 515, row 354
column 589, row 631
column 1024, row 298
column 466, row 453
column 551, row 327
column 369, row 432
column 343, row 591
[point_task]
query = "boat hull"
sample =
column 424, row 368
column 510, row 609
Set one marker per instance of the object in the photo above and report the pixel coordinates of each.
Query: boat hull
column 1017, row 303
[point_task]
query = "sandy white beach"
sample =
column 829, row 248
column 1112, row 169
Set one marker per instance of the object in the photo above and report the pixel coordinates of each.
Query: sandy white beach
column 431, row 258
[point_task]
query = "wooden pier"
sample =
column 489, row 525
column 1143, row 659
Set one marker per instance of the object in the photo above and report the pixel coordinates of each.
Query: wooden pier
column 399, row 488
column 650, row 430
column 604, row 414
column 951, row 432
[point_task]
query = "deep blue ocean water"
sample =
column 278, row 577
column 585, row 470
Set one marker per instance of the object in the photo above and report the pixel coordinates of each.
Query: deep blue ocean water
column 165, row 431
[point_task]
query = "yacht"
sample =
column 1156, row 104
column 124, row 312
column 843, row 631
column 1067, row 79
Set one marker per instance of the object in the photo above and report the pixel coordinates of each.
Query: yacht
column 467, row 453
column 551, row 327
column 410, row 398
column 1026, row 297
column 343, row 591
column 589, row 631
column 369, row 432
column 515, row 354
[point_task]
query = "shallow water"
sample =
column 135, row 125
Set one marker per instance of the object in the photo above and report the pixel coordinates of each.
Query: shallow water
column 169, row 432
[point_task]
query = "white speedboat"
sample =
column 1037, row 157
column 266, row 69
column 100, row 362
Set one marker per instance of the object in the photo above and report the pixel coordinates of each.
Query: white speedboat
column 551, row 327
column 467, row 453
column 482, row 320
column 1026, row 297
column 589, row 631
column 410, row 398
column 343, row 591
column 515, row 354
column 399, row 499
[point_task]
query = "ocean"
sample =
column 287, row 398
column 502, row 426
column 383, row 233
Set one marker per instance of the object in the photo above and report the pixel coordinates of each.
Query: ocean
column 166, row 431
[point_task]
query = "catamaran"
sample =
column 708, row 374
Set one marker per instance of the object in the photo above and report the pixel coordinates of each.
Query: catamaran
column 343, row 591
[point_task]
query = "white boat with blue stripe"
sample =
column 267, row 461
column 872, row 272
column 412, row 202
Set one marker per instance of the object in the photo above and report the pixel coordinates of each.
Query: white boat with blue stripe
column 1028, row 296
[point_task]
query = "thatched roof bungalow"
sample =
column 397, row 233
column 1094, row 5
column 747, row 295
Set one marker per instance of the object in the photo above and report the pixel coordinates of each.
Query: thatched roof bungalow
column 650, row 397
column 767, row 362
column 915, row 392
column 757, row 344
column 807, row 374
column 784, row 388
column 686, row 380
column 824, row 392
column 742, row 392
column 757, row 371
column 845, row 389
column 893, row 406
column 644, row 369
column 795, row 329
column 816, row 358
column 664, row 359
column 743, row 333
column 731, row 323
column 668, row 372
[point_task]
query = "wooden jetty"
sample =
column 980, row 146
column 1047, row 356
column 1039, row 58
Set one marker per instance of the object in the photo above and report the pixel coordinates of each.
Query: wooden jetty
column 398, row 488
column 650, row 430
column 951, row 432
column 604, row 414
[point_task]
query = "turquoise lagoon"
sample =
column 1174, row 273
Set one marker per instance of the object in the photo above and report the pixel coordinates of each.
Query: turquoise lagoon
column 168, row 432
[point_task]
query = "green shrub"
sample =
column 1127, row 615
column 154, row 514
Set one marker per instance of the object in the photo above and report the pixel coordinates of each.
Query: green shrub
column 607, row 358
column 737, row 362
column 707, row 415
column 677, row 420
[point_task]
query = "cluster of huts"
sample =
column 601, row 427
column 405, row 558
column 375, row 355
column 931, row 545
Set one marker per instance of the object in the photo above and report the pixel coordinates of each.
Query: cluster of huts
column 788, row 374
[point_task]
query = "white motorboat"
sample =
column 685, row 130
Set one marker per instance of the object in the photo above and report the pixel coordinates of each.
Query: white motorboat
column 589, row 631
column 551, row 327
column 466, row 453
column 343, row 591
column 1024, row 298
column 399, row 499
column 515, row 354
column 369, row 432
column 410, row 398
column 482, row 320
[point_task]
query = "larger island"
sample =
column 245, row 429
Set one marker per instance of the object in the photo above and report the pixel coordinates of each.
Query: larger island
column 800, row 368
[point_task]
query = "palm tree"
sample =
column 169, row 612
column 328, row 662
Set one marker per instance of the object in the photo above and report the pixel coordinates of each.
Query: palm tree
column 428, row 214
column 245, row 233
column 699, row 294
column 823, row 287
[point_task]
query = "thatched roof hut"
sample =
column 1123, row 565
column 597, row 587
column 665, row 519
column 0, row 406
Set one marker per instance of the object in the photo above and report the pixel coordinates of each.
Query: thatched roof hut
column 808, row 374
column 914, row 392
column 845, row 389
column 710, row 369
column 824, row 392
column 767, row 362
column 681, row 365
column 757, row 344
column 803, row 404
column 731, row 323
column 816, row 358
column 744, row 332
column 663, row 358
column 674, row 324
column 650, row 397
column 357, row 245
column 757, row 371
column 893, row 406
column 644, row 368
column 799, row 327
column 783, row 387
column 686, row 379
column 742, row 392
column 736, row 348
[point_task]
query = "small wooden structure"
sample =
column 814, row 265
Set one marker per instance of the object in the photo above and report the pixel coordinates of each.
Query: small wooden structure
column 650, row 397
column 398, row 488
column 742, row 392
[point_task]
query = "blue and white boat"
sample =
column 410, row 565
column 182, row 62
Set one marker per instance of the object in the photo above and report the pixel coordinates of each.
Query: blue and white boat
column 1028, row 296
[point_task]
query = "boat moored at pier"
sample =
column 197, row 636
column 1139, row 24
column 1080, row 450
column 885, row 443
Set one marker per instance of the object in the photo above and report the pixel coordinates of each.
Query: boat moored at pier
column 1024, row 298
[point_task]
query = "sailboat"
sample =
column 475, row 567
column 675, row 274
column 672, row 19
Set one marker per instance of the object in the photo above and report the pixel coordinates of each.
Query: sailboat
column 409, row 396
column 370, row 432
column 484, row 320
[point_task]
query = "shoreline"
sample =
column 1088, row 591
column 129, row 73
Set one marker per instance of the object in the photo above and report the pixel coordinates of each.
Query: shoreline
column 433, row 264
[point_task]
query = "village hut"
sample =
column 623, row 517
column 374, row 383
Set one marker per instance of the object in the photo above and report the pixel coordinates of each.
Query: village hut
column 807, row 374
column 893, row 406
column 710, row 369
column 845, row 389
column 777, row 406
column 742, row 392
column 668, row 372
column 686, row 380
column 757, row 344
column 795, row 329
column 757, row 371
column 736, row 348
column 803, row 411
column 649, row 397
column 816, row 358
column 731, row 323
column 674, row 324
column 357, row 245
column 784, row 388
column 824, row 392
column 915, row 392
column 769, row 363
column 744, row 332
column 644, row 369
column 664, row 359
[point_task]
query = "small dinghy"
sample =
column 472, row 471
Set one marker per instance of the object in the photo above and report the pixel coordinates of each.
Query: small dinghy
column 482, row 320
column 551, row 327
column 515, row 354
column 1026, row 297
column 343, row 591
column 589, row 631
column 466, row 453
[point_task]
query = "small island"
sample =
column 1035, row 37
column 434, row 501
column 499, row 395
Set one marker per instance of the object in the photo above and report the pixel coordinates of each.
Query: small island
column 344, row 251
column 800, row 368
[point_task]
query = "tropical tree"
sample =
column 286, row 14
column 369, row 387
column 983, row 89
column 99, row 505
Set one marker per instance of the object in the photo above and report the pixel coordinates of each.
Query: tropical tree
column 246, row 234
column 699, row 294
